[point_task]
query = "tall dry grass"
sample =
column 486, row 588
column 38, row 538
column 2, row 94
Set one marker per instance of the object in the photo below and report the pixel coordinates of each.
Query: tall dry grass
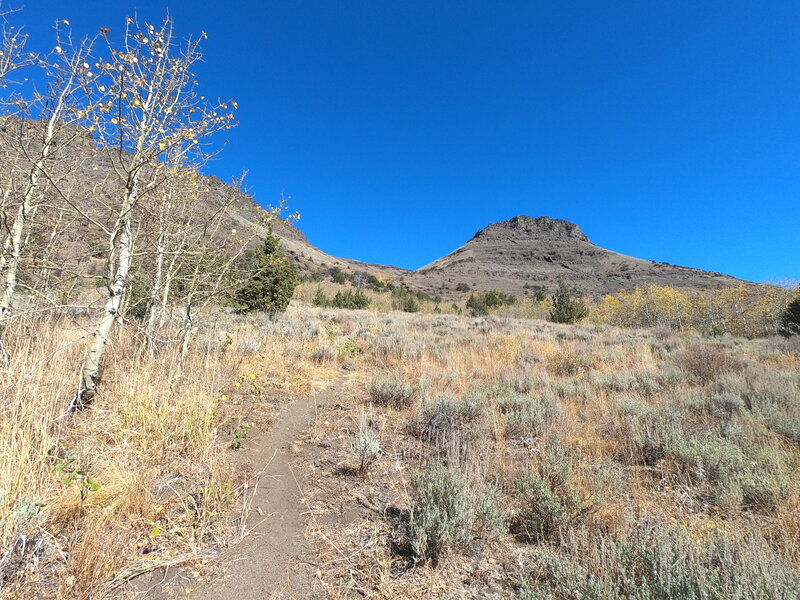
column 143, row 477
column 571, row 445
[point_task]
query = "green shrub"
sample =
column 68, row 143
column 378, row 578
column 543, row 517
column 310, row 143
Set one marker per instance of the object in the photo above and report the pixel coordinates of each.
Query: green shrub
column 567, row 309
column 790, row 318
column 448, row 512
column 411, row 304
column 273, row 280
column 338, row 276
column 321, row 299
column 547, row 501
column 350, row 299
column 391, row 392
column 544, row 512
column 483, row 303
column 408, row 301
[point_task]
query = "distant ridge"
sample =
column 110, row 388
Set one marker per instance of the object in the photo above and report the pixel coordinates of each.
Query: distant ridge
column 526, row 253
column 520, row 255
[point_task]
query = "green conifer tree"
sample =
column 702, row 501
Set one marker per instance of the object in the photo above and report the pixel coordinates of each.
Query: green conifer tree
column 273, row 282
column 790, row 319
column 321, row 299
column 566, row 309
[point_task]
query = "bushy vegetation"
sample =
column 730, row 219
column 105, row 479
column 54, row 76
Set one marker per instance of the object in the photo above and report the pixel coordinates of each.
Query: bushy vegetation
column 534, row 445
column 448, row 512
column 707, row 362
column 271, row 285
column 657, row 562
column 619, row 463
column 408, row 301
column 391, row 391
column 352, row 299
column 745, row 310
column 483, row 303
column 790, row 318
column 366, row 448
column 567, row 309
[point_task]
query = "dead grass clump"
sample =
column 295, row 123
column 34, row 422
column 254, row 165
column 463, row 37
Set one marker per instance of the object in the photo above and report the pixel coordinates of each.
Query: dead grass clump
column 116, row 542
column 567, row 361
column 325, row 353
column 707, row 362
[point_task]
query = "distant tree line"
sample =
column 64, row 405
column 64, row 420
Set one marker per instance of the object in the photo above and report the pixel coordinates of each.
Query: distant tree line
column 745, row 310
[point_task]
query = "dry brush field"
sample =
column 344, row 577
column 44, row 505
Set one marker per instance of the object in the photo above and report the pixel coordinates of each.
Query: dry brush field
column 468, row 457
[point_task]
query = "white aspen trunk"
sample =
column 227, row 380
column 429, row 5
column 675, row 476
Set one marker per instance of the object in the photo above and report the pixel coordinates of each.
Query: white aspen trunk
column 91, row 365
column 173, row 267
column 155, row 293
column 12, row 251
column 154, row 308
column 50, row 251
column 7, row 238
column 162, row 320
column 188, row 329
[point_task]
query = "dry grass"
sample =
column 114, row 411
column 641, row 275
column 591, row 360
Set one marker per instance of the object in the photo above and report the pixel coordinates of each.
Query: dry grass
column 611, row 429
column 577, row 438
column 146, row 474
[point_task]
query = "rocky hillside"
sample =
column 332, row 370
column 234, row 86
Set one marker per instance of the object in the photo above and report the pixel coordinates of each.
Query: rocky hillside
column 519, row 256
column 524, row 253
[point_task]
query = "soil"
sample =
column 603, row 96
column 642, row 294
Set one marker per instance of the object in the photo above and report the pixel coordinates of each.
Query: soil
column 272, row 562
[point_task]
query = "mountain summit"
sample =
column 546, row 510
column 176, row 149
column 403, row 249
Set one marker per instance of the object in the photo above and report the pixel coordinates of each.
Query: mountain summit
column 521, row 255
column 522, row 227
column 527, row 253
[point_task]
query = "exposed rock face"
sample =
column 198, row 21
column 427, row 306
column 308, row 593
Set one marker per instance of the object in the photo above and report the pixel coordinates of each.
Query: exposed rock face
column 517, row 256
column 524, row 228
column 526, row 253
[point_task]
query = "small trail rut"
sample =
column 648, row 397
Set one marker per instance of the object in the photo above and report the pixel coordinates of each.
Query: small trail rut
column 271, row 562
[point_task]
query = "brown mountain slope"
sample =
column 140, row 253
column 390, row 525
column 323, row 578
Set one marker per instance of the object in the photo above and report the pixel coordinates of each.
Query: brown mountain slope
column 524, row 253
column 517, row 256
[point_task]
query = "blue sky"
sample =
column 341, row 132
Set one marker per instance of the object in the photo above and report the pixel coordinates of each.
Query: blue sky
column 667, row 130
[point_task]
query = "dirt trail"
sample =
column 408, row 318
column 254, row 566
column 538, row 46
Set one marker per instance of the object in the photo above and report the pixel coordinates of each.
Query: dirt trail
column 271, row 563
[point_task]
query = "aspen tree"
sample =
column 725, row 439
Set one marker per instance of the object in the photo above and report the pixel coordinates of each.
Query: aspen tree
column 143, row 107
column 35, row 143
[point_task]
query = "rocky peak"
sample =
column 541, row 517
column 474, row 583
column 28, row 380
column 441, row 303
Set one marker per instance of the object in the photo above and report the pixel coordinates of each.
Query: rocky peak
column 523, row 227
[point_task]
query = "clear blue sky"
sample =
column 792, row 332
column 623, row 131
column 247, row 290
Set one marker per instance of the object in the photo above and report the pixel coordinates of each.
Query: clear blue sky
column 668, row 130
